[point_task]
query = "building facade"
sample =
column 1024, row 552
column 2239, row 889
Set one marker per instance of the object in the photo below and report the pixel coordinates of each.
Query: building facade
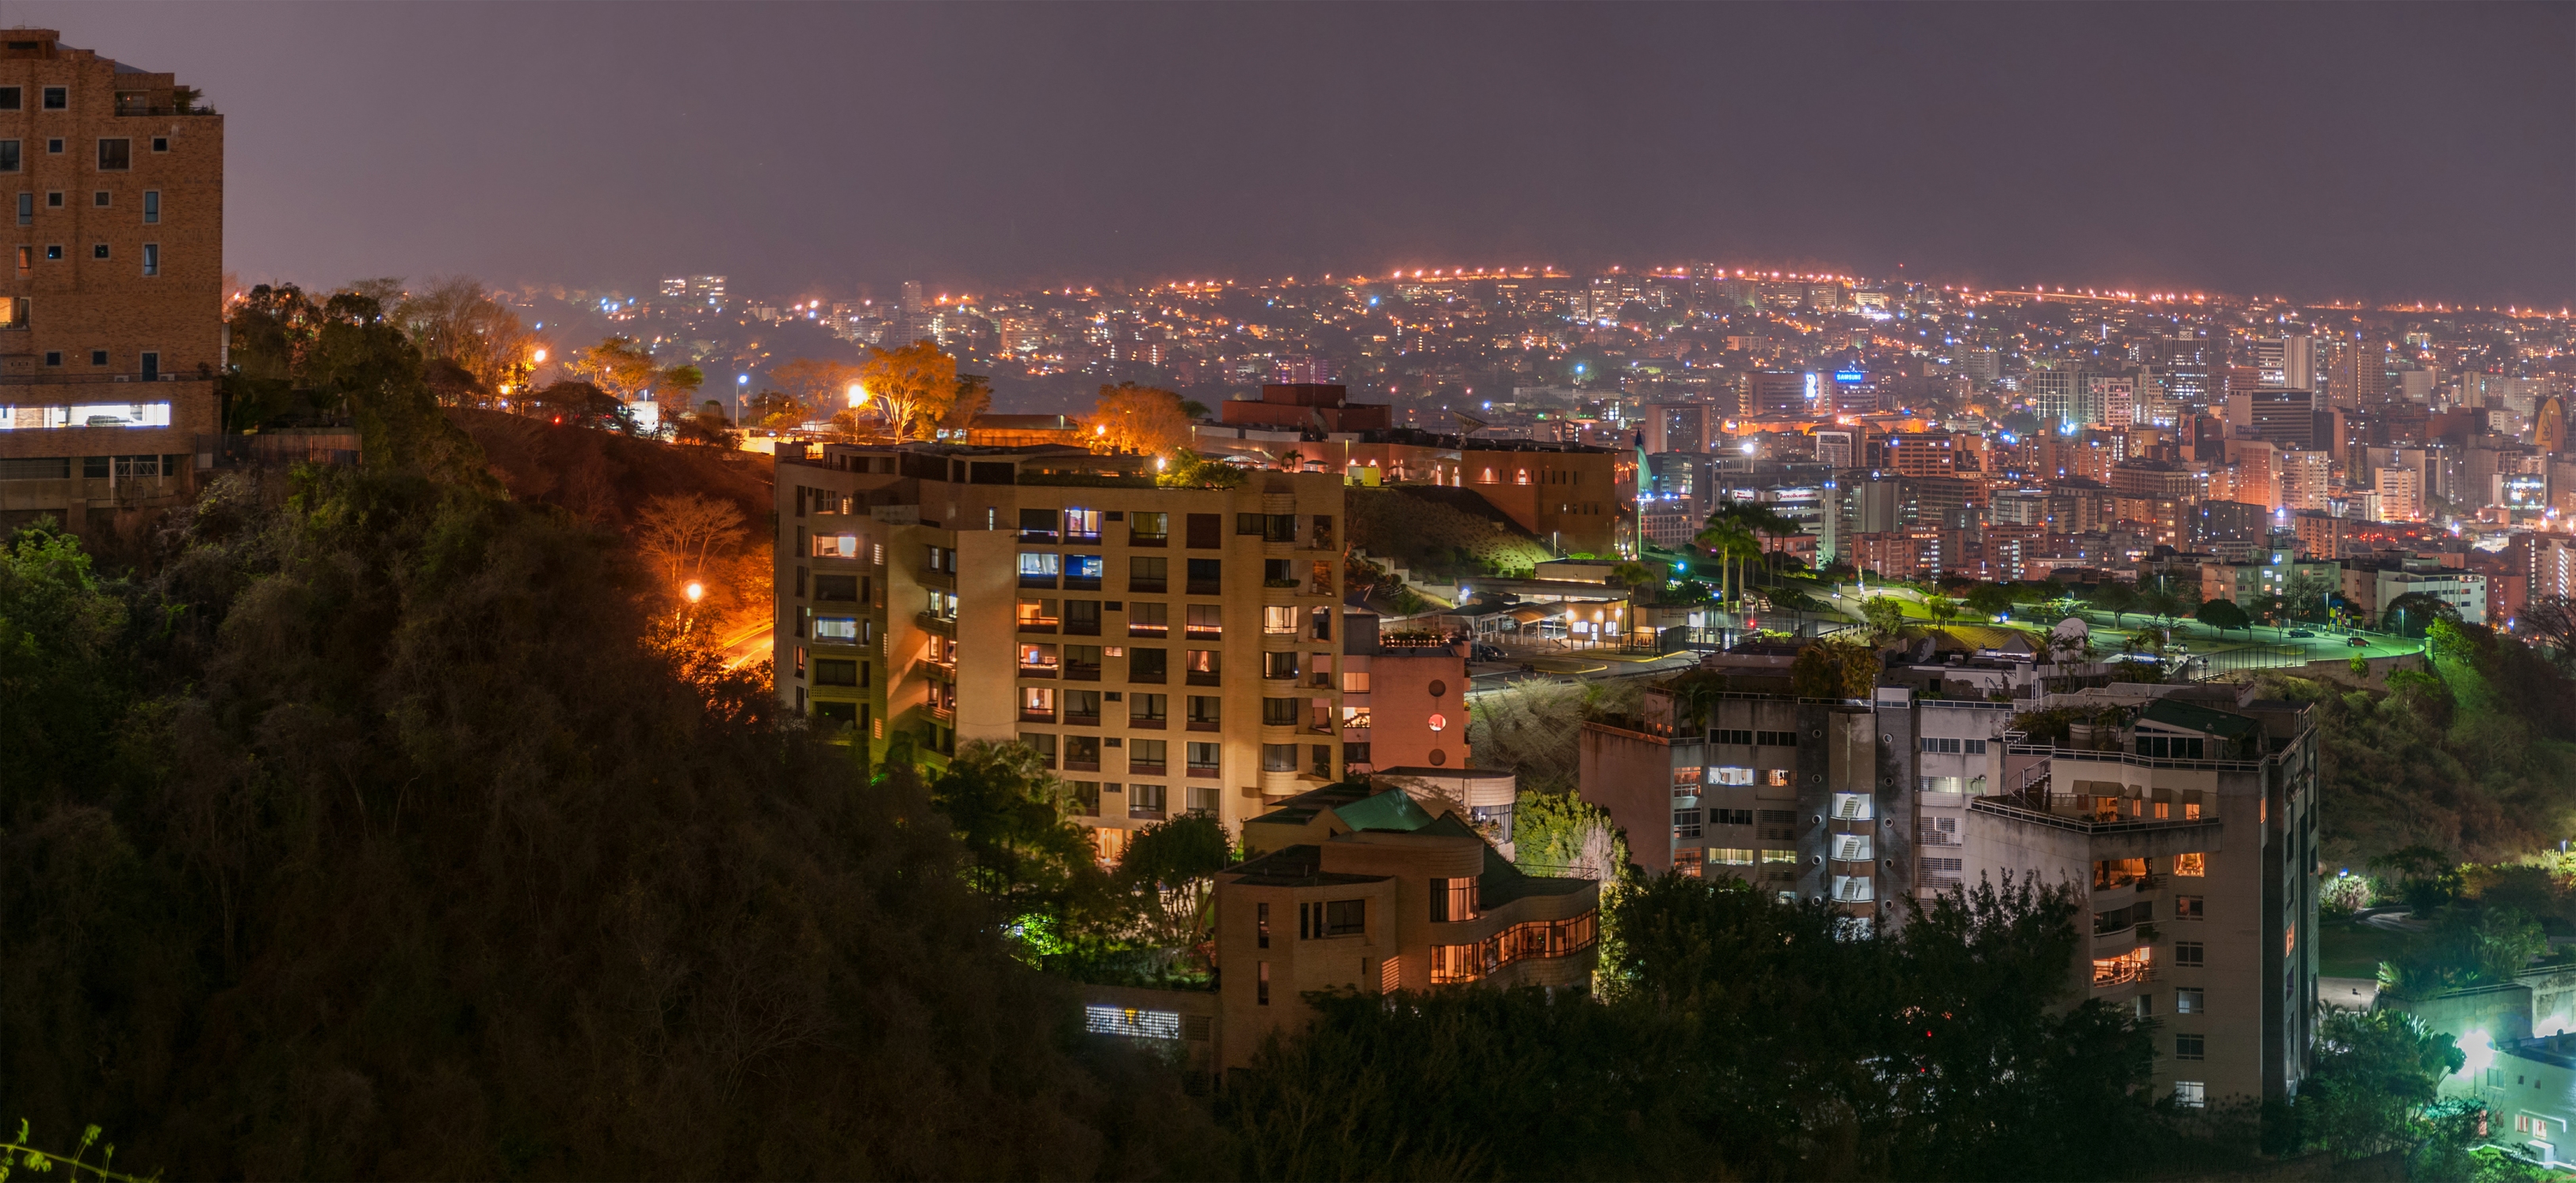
column 1164, row 649
column 112, row 325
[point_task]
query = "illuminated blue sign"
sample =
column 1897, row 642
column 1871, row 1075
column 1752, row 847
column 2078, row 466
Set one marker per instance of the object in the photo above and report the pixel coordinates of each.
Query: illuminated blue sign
column 1850, row 376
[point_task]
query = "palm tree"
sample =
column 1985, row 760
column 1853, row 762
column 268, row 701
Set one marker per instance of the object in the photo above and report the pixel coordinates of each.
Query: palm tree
column 1730, row 543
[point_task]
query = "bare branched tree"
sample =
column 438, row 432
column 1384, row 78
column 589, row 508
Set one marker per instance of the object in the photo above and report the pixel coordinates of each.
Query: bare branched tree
column 678, row 532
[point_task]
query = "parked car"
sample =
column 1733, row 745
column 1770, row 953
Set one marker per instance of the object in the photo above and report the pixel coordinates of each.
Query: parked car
column 2357, row 642
column 2298, row 632
column 1485, row 653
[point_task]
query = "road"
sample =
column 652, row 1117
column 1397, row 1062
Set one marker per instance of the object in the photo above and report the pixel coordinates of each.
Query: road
column 747, row 645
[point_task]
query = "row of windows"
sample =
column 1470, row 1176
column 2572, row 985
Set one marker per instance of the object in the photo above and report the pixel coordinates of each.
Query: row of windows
column 57, row 98
column 1144, row 801
column 1953, row 747
column 97, row 250
column 115, row 153
column 1529, row 939
column 1768, row 739
column 101, row 199
column 1151, row 666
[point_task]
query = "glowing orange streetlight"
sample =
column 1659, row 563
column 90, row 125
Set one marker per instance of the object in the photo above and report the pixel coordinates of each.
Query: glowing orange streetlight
column 696, row 591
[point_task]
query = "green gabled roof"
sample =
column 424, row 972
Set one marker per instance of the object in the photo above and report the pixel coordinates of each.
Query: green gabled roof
column 1390, row 810
column 2194, row 717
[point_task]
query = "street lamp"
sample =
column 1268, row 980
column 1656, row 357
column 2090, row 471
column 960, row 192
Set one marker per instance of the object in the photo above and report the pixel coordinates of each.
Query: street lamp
column 739, row 382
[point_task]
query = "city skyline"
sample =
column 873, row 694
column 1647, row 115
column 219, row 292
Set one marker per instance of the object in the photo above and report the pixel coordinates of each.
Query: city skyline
column 2392, row 154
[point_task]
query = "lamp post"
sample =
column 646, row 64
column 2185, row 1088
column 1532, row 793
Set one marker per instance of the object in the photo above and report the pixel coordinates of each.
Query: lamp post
column 739, row 382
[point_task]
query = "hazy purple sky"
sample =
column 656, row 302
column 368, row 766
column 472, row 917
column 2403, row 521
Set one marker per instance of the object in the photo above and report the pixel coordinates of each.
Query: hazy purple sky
column 2311, row 149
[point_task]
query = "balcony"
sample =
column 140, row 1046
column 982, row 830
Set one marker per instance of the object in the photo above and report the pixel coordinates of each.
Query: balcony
column 1146, row 813
column 1156, row 631
column 1029, row 716
column 1147, row 587
column 1081, row 671
column 1206, row 587
column 943, row 710
column 1205, row 725
column 1158, row 768
column 1087, row 720
column 1203, row 771
column 1037, row 671
column 1137, row 724
column 1155, row 541
column 1204, row 678
column 945, row 625
column 1082, row 628
column 1037, row 625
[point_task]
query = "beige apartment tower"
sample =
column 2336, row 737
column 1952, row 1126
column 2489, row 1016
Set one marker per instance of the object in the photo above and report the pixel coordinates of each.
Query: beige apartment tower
column 111, row 328
column 1167, row 650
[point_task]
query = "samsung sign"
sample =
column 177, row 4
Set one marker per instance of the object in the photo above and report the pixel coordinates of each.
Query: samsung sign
column 1850, row 376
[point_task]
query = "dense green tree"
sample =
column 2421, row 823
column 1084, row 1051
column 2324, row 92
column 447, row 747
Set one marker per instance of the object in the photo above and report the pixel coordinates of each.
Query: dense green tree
column 2223, row 615
column 2374, row 1078
column 1884, row 617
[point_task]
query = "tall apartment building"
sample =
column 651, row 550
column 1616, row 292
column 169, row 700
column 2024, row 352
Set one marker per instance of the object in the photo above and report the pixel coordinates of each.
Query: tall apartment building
column 112, row 326
column 2289, row 361
column 2194, row 825
column 1681, row 427
column 2184, row 815
column 1165, row 649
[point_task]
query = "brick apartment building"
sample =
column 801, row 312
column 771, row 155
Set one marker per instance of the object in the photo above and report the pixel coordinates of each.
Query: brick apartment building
column 111, row 327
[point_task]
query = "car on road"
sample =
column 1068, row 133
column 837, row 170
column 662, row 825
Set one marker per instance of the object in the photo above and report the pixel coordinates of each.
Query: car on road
column 1487, row 653
column 2357, row 642
column 2298, row 632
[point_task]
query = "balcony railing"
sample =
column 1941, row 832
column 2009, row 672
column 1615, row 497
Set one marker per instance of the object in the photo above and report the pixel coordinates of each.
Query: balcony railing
column 1090, row 720
column 1156, row 587
column 1082, row 628
column 1146, row 724
column 1204, row 678
column 1206, row 771
column 1206, row 587
column 1078, row 671
column 1037, row 671
column 1206, row 725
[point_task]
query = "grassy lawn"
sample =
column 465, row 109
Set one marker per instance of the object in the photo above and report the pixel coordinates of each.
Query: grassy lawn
column 2349, row 949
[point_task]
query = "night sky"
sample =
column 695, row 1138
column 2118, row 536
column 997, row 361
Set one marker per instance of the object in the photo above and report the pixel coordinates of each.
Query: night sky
column 2312, row 150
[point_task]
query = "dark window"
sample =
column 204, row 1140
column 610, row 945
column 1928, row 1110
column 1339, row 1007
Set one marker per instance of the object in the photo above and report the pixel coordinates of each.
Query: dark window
column 1148, row 710
column 102, row 199
column 832, row 672
column 12, row 99
column 1320, row 760
column 1206, row 711
column 1082, row 618
column 1038, row 525
column 1345, row 918
column 160, row 143
column 152, row 258
column 1149, row 666
column 1279, row 757
column 115, row 155
column 1082, row 706
column 1280, row 712
column 1082, row 753
column 1279, row 665
column 57, row 98
column 53, row 199
column 26, row 208
column 53, row 357
column 98, row 357
column 1207, row 577
column 2187, row 907
column 845, row 714
column 1148, row 573
column 54, row 252
column 151, row 207
column 836, row 587
column 151, row 363
column 1272, row 527
column 2190, row 1047
column 9, row 162
column 98, row 250
column 2188, row 953
column 54, row 147
column 1207, row 531
column 1041, row 743
column 1261, row 937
